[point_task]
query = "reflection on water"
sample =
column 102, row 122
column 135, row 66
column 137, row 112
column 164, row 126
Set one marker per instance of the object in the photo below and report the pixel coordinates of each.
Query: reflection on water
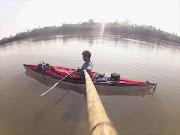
column 59, row 100
column 64, row 110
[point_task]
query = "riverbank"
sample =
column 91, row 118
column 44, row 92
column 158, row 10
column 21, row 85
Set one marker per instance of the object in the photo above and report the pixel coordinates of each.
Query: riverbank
column 92, row 27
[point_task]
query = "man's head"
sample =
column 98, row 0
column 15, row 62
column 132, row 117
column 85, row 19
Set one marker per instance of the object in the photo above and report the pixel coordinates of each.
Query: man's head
column 86, row 55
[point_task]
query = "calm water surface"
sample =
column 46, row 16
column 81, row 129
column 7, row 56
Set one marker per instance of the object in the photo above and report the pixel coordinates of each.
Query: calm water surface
column 64, row 111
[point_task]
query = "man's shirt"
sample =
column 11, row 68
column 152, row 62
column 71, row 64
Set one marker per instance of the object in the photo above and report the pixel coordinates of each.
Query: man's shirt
column 84, row 66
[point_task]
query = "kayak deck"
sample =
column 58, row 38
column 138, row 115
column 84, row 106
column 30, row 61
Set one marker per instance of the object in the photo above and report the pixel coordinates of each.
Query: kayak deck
column 60, row 72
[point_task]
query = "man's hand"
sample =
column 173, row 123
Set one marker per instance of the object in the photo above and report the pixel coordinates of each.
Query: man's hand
column 88, row 69
column 78, row 70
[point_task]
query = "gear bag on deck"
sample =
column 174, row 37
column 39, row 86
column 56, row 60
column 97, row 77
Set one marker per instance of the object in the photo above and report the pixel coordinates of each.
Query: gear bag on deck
column 115, row 76
column 42, row 66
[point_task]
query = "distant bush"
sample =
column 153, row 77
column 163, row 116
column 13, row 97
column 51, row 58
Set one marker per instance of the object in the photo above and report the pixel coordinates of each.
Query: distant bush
column 93, row 27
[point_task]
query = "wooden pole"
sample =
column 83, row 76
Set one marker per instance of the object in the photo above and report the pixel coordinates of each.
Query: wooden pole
column 98, row 120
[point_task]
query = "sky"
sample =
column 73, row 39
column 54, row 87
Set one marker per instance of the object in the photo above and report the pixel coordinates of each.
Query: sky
column 22, row 15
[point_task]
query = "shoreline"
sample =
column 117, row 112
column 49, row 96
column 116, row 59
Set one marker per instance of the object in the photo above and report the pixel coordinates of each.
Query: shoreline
column 93, row 28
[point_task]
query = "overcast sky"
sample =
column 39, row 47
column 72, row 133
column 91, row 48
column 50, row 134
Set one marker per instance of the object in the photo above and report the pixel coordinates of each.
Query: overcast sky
column 21, row 15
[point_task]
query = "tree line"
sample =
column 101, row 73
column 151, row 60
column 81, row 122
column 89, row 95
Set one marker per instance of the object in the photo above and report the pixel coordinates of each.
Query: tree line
column 93, row 27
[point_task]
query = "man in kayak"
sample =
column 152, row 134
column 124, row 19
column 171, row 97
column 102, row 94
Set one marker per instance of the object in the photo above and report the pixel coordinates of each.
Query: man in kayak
column 87, row 65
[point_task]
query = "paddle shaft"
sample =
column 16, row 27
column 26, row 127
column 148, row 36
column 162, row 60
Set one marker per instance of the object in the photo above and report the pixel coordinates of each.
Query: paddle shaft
column 99, row 121
column 58, row 82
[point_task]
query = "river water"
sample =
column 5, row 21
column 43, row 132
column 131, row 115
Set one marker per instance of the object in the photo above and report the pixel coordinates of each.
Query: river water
column 64, row 111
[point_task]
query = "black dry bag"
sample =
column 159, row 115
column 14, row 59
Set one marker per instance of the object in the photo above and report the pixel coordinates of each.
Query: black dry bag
column 115, row 76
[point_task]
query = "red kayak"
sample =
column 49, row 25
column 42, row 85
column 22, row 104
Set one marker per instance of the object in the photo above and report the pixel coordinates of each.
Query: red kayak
column 56, row 73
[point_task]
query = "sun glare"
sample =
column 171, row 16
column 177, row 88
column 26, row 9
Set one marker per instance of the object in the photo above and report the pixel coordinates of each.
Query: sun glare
column 102, row 30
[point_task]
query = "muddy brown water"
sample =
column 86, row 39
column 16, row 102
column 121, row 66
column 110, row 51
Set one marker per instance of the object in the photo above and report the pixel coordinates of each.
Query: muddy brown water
column 64, row 111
